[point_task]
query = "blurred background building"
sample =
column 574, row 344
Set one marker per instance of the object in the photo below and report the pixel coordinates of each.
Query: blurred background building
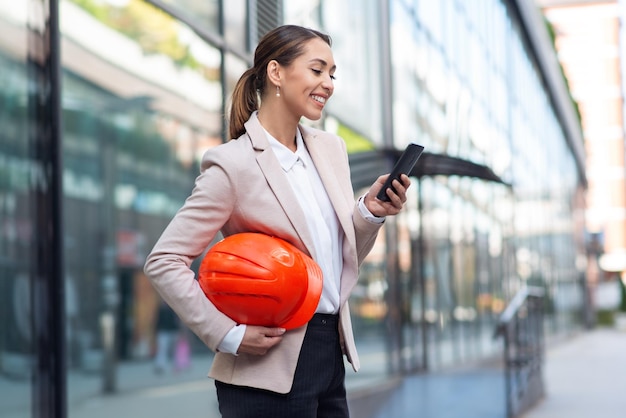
column 589, row 38
column 106, row 107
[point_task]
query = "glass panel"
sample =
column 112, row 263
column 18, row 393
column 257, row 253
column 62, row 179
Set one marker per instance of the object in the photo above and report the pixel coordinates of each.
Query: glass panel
column 234, row 68
column 354, row 28
column 369, row 309
column 142, row 101
column 410, row 282
column 235, row 31
column 203, row 12
column 18, row 176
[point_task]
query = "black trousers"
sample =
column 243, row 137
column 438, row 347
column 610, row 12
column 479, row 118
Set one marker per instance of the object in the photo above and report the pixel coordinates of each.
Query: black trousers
column 319, row 384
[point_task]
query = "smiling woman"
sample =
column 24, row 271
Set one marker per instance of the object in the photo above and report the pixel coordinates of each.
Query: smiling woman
column 279, row 178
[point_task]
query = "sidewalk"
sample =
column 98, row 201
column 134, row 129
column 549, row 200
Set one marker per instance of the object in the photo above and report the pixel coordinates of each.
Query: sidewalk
column 190, row 393
column 585, row 377
column 477, row 393
column 463, row 393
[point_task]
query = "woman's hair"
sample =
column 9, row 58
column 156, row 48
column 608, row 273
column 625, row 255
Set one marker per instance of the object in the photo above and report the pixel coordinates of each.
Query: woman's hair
column 283, row 44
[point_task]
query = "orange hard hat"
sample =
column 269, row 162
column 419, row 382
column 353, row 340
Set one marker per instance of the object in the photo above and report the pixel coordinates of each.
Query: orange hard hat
column 257, row 279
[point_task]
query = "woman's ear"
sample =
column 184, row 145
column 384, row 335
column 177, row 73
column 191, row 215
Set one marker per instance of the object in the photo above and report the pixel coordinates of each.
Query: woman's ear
column 274, row 72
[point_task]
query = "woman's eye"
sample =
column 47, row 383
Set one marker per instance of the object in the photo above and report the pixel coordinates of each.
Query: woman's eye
column 319, row 72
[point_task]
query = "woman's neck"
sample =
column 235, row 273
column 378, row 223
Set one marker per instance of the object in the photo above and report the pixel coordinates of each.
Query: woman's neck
column 279, row 127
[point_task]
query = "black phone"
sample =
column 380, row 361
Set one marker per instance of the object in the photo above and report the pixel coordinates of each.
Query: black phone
column 404, row 165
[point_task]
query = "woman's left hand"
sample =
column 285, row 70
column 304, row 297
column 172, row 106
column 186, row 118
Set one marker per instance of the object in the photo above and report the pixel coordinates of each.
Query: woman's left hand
column 394, row 206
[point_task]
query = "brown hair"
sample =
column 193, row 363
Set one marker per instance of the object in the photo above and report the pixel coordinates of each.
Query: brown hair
column 283, row 44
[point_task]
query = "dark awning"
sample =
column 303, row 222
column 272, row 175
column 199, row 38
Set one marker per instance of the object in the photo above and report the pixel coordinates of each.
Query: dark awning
column 367, row 166
column 437, row 164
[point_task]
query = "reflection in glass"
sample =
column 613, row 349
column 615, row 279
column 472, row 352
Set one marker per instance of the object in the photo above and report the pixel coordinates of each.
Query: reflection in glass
column 19, row 174
column 203, row 12
column 469, row 99
column 142, row 101
column 234, row 68
column 235, row 31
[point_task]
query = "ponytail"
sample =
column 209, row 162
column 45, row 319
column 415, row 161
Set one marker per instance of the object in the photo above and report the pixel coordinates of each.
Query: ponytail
column 244, row 101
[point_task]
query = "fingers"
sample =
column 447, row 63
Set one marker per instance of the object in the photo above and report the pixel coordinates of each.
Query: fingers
column 397, row 194
column 274, row 332
column 396, row 200
column 401, row 188
column 258, row 340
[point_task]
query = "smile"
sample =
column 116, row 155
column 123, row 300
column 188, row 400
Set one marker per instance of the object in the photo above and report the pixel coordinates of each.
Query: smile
column 319, row 99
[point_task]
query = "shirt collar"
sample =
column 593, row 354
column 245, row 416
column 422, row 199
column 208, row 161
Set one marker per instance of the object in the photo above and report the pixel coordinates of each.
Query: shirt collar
column 286, row 157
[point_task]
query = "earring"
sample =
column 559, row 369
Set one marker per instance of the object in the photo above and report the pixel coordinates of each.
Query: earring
column 277, row 91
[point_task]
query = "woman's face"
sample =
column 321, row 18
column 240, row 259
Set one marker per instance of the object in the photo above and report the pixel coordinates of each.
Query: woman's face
column 308, row 81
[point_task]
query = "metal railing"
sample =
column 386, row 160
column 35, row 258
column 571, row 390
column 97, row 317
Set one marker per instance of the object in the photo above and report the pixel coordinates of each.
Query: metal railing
column 521, row 326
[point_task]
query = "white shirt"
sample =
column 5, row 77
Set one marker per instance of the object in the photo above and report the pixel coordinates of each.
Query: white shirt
column 323, row 226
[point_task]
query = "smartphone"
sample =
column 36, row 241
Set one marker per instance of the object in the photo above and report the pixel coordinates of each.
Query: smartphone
column 404, row 165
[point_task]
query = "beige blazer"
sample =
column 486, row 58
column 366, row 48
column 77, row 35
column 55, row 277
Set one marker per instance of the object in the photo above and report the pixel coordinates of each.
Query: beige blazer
column 242, row 188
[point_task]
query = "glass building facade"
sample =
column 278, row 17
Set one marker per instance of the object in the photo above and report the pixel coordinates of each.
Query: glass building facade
column 106, row 107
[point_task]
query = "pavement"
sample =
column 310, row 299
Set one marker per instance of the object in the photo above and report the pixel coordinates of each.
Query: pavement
column 585, row 377
column 584, row 374
column 472, row 393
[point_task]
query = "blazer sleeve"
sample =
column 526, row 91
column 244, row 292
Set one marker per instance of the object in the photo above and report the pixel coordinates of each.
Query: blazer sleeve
column 186, row 237
column 365, row 231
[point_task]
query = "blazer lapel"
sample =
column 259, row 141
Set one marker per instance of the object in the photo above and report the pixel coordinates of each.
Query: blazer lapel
column 278, row 182
column 326, row 163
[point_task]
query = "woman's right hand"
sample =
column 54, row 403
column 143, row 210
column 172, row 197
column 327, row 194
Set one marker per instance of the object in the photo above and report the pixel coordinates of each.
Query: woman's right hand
column 258, row 340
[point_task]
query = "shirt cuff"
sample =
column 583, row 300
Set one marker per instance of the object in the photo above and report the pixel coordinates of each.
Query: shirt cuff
column 365, row 212
column 231, row 342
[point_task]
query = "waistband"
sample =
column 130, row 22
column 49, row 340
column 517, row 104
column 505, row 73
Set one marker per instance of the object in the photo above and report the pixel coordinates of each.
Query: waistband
column 324, row 320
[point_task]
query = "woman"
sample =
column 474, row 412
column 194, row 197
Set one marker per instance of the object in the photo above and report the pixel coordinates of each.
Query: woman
column 284, row 179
